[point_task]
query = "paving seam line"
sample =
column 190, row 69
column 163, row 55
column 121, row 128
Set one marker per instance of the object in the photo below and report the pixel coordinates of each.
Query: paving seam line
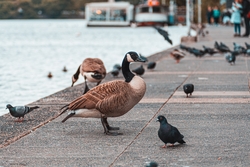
column 191, row 73
column 248, row 74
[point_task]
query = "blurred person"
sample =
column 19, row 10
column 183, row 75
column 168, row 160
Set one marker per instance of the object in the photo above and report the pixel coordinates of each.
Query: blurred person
column 209, row 14
column 216, row 15
column 236, row 17
column 226, row 15
column 245, row 13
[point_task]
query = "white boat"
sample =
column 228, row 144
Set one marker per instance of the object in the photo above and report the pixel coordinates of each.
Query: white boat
column 151, row 13
column 109, row 13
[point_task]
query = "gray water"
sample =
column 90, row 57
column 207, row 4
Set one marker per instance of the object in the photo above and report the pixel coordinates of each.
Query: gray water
column 30, row 49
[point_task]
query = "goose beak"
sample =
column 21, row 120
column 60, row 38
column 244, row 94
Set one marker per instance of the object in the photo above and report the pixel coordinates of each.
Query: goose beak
column 141, row 59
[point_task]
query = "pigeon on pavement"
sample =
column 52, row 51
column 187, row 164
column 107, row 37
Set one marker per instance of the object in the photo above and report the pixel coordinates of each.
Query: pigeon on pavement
column 151, row 65
column 20, row 111
column 168, row 133
column 188, row 89
column 139, row 71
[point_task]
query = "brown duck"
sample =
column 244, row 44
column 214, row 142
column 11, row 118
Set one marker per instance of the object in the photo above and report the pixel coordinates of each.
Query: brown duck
column 177, row 55
column 110, row 99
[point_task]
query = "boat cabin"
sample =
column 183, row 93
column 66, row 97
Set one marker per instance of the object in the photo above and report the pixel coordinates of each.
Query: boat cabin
column 109, row 13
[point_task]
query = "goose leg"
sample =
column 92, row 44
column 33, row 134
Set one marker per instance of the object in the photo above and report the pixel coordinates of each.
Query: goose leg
column 106, row 130
column 86, row 86
column 107, row 125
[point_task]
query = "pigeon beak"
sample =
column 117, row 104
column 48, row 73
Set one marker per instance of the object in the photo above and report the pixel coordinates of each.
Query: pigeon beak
column 157, row 120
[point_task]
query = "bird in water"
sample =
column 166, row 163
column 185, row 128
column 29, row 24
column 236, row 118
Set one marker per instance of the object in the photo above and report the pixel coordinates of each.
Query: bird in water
column 177, row 55
column 139, row 71
column 50, row 75
column 110, row 99
column 92, row 69
column 164, row 33
column 168, row 133
column 20, row 111
column 64, row 69
column 188, row 89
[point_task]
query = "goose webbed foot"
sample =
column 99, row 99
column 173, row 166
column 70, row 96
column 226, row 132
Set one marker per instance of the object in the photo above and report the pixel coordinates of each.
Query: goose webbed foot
column 107, row 128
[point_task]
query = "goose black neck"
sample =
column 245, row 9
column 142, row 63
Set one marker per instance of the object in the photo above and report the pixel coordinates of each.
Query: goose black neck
column 128, row 75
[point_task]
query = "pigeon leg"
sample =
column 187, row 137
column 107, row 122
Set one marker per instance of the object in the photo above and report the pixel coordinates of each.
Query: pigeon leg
column 107, row 125
column 171, row 145
column 20, row 119
column 164, row 146
column 106, row 131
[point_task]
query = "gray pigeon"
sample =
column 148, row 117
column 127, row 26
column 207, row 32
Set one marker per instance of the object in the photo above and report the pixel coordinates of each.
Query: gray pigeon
column 188, row 89
column 139, row 70
column 151, row 164
column 168, row 133
column 20, row 111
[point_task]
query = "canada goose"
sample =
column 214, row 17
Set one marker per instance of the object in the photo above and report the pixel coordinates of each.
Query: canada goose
column 110, row 99
column 177, row 55
column 92, row 69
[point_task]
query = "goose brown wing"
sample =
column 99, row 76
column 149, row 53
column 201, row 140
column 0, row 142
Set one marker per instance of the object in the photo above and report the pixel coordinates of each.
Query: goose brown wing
column 101, row 95
column 93, row 65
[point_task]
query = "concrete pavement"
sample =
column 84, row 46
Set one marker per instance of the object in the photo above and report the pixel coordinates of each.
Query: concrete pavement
column 215, row 120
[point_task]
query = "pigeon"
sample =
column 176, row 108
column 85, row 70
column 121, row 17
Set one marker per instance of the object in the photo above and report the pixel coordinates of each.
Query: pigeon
column 151, row 65
column 239, row 49
column 116, row 70
column 221, row 47
column 151, row 164
column 139, row 71
column 188, row 89
column 208, row 50
column 231, row 57
column 183, row 47
column 164, row 33
column 168, row 133
column 20, row 111
column 177, row 55
column 196, row 52
column 247, row 45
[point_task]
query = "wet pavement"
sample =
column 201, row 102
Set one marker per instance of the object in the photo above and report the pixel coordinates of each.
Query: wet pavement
column 215, row 120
